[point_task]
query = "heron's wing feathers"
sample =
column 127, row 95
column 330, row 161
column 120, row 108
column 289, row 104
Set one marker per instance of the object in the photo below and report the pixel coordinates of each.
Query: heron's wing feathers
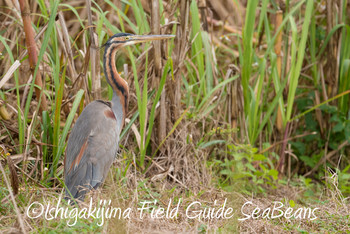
column 88, row 175
column 91, row 149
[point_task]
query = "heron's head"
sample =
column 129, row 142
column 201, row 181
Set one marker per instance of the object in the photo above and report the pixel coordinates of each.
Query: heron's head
column 125, row 39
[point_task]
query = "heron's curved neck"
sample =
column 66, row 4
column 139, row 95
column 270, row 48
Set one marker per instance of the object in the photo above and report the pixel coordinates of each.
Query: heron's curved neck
column 118, row 84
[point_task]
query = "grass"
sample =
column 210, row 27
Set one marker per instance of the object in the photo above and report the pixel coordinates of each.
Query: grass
column 225, row 93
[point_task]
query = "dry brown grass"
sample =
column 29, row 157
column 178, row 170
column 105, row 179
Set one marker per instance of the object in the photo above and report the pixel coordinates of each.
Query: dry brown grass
column 332, row 216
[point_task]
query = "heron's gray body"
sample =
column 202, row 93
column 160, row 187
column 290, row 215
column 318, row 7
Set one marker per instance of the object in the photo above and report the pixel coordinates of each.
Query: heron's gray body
column 92, row 146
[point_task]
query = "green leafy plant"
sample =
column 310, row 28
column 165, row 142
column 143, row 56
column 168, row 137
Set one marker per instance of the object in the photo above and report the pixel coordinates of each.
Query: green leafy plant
column 244, row 165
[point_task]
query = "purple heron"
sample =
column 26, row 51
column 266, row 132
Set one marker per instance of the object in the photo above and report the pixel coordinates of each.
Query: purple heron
column 93, row 142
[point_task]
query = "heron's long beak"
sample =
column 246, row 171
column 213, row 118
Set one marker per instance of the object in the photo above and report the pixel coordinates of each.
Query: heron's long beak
column 145, row 38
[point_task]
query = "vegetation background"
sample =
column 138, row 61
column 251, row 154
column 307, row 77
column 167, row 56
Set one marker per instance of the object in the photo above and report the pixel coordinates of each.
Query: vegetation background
column 250, row 102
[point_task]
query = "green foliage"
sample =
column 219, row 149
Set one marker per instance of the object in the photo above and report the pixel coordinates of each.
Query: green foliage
column 248, row 51
column 197, row 50
column 344, row 63
column 310, row 148
column 296, row 68
column 258, row 110
column 200, row 78
column 245, row 166
column 344, row 180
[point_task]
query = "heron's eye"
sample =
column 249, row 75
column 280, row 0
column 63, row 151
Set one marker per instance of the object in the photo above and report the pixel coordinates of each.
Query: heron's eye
column 127, row 38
